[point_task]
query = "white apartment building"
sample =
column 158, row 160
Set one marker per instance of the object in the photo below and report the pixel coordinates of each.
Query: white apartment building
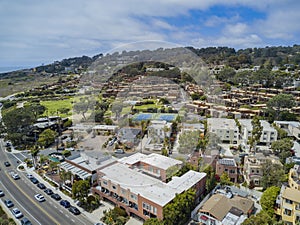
column 269, row 133
column 225, row 129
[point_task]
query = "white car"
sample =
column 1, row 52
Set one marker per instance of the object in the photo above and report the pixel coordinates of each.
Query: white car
column 15, row 176
column 29, row 175
column 39, row 197
column 17, row 213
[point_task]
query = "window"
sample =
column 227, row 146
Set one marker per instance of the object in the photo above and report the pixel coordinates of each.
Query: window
column 232, row 171
column 105, row 182
column 287, row 212
column 146, row 206
column 114, row 187
column 133, row 196
column 288, row 201
column 123, row 191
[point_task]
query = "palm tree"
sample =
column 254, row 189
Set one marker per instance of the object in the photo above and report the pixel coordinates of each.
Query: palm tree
column 34, row 153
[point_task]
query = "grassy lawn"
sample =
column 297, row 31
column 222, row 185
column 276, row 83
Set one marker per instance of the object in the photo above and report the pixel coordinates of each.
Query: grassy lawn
column 54, row 106
column 144, row 107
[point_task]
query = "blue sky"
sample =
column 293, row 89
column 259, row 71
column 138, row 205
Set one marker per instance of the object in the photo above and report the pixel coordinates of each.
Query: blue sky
column 34, row 32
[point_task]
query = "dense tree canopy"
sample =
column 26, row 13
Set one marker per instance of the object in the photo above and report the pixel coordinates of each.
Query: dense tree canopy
column 273, row 174
column 268, row 199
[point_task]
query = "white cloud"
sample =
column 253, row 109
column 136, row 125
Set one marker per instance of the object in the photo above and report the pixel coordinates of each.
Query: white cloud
column 48, row 30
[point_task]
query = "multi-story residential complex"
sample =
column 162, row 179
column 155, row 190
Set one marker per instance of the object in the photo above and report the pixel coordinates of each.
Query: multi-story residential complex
column 291, row 127
column 225, row 129
column 158, row 130
column 134, row 184
column 155, row 165
column 269, row 133
column 253, row 167
column 294, row 177
column 228, row 166
column 288, row 205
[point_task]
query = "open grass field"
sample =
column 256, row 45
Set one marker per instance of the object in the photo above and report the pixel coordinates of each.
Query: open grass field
column 56, row 107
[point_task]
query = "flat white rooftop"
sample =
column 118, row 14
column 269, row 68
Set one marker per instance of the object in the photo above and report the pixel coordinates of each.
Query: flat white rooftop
column 161, row 161
column 148, row 187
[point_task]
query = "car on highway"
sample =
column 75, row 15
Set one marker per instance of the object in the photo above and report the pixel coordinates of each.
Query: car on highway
column 39, row 197
column 48, row 191
column 1, row 193
column 34, row 180
column 17, row 213
column 8, row 203
column 99, row 224
column 74, row 210
column 25, row 221
column 56, row 196
column 65, row 203
column 41, row 185
column 7, row 164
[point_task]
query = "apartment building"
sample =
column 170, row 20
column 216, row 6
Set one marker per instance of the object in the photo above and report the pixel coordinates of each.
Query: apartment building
column 158, row 130
column 294, row 177
column 288, row 205
column 225, row 129
column 141, row 194
column 269, row 133
column 253, row 167
column 291, row 127
column 228, row 166
column 155, row 165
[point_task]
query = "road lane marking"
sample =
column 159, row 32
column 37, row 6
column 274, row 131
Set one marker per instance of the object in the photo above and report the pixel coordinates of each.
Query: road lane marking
column 34, row 202
column 19, row 203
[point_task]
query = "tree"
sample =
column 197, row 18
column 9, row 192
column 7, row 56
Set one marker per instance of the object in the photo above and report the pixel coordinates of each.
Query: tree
column 188, row 141
column 268, row 200
column 273, row 174
column 256, row 132
column 224, row 179
column 261, row 218
column 80, row 190
column 282, row 148
column 210, row 178
column 278, row 104
column 179, row 210
column 47, row 137
column 18, row 122
column 153, row 221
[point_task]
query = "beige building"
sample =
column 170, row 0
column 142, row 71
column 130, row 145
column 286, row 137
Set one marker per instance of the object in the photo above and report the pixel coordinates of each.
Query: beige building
column 288, row 205
column 294, row 177
column 253, row 167
column 225, row 129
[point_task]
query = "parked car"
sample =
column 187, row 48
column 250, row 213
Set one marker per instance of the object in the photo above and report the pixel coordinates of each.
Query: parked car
column 74, row 210
column 56, row 196
column 7, row 164
column 41, row 185
column 15, row 176
column 17, row 213
column 1, row 193
column 39, row 197
column 119, row 151
column 60, row 148
column 30, row 176
column 34, row 180
column 25, row 221
column 65, row 203
column 8, row 203
column 48, row 191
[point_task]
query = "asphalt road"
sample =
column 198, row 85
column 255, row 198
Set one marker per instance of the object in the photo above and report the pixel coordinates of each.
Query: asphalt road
column 22, row 192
